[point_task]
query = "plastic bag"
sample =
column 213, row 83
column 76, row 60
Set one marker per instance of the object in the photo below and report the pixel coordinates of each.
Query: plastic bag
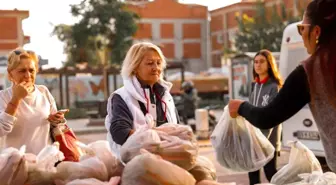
column 141, row 139
column 180, row 152
column 102, row 150
column 317, row 178
column 239, row 145
column 89, row 168
column 14, row 168
column 203, row 170
column 301, row 160
column 149, row 169
column 42, row 171
column 48, row 157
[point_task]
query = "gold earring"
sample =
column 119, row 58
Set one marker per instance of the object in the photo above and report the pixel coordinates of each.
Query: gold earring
column 317, row 40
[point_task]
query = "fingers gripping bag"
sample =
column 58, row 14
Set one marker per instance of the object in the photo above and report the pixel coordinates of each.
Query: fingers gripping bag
column 239, row 146
column 301, row 160
column 150, row 169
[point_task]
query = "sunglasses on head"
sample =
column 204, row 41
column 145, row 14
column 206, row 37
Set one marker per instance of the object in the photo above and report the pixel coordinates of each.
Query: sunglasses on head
column 19, row 52
column 300, row 27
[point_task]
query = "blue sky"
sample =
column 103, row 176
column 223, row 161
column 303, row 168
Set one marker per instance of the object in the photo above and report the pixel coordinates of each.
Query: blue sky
column 46, row 13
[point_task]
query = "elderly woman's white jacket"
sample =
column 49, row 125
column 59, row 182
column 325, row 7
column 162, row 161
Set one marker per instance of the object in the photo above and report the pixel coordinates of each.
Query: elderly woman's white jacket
column 132, row 93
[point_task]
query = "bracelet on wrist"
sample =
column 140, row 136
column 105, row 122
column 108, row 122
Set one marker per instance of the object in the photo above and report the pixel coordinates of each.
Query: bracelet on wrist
column 13, row 105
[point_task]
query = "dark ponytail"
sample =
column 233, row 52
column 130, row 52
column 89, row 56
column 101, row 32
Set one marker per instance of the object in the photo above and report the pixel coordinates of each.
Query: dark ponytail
column 322, row 13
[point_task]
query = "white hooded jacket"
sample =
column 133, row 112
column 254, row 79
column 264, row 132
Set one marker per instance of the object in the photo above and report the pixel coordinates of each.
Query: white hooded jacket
column 132, row 93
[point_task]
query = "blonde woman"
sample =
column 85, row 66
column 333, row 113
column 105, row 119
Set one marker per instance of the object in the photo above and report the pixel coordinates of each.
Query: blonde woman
column 144, row 92
column 26, row 109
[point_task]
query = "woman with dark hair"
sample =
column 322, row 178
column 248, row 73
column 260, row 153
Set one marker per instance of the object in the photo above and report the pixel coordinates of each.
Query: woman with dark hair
column 313, row 82
column 265, row 88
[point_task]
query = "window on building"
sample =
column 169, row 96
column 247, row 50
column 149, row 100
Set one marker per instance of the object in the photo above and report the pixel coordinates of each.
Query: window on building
column 220, row 39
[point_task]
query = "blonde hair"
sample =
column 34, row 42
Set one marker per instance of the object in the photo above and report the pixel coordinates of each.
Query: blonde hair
column 15, row 56
column 136, row 54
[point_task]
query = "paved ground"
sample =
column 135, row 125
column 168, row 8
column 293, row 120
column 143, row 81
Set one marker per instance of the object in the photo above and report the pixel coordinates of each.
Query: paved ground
column 88, row 134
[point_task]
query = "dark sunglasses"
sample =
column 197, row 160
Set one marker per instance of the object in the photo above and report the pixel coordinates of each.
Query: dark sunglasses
column 301, row 27
column 19, row 52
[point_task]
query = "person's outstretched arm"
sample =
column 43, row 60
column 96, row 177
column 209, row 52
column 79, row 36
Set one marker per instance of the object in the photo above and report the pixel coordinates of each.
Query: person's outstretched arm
column 291, row 98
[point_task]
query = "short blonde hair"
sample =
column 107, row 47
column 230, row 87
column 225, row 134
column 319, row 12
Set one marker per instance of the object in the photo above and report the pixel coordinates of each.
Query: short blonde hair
column 136, row 54
column 15, row 56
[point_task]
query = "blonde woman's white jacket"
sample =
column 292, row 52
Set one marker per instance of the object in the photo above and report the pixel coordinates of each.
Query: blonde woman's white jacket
column 132, row 93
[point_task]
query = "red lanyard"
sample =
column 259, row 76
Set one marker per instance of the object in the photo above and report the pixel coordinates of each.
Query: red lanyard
column 147, row 101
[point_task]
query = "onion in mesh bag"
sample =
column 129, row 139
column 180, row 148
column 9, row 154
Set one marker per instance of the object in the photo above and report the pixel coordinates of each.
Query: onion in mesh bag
column 88, row 168
column 183, row 153
column 102, row 150
column 203, row 170
column 181, row 131
column 149, row 169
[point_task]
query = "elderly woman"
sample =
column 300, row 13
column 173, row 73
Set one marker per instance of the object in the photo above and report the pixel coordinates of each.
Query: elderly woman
column 144, row 92
column 26, row 109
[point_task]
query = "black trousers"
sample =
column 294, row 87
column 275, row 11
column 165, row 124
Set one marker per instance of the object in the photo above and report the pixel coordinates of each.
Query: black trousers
column 269, row 169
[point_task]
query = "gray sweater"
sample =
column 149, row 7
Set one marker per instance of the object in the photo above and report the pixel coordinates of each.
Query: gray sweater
column 262, row 94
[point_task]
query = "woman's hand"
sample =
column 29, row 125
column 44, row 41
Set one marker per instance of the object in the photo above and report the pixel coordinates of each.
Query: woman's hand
column 234, row 107
column 21, row 90
column 56, row 118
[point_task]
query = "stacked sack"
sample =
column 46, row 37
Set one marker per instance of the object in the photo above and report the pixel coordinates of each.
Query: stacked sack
column 163, row 155
column 97, row 166
column 176, row 147
column 150, row 169
column 174, row 143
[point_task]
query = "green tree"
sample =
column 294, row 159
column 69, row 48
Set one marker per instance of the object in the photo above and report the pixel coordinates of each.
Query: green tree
column 78, row 45
column 260, row 32
column 103, row 26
